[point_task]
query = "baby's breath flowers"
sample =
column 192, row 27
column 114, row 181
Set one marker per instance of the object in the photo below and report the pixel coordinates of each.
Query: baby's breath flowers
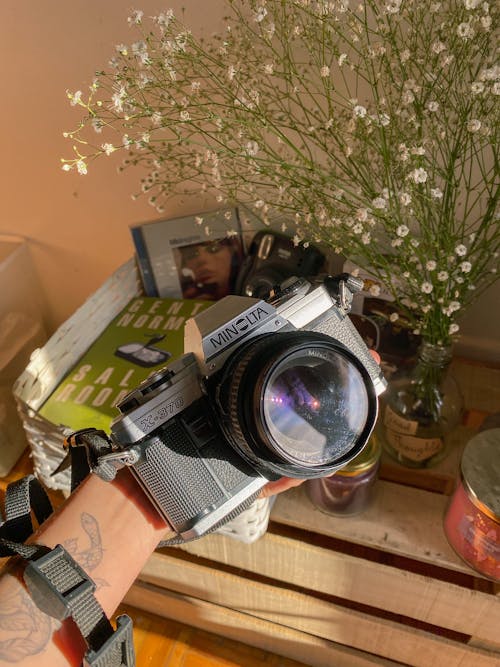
column 370, row 126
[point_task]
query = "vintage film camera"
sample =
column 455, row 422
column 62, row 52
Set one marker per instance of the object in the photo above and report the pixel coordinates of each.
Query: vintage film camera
column 272, row 258
column 284, row 387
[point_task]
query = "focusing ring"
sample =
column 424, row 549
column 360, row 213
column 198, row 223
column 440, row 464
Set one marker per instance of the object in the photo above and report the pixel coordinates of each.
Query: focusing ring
column 229, row 396
column 237, row 407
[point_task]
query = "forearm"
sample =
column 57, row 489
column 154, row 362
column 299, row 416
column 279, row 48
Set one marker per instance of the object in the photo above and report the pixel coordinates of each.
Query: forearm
column 110, row 529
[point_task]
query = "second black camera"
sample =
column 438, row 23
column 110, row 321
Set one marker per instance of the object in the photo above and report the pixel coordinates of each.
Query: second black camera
column 272, row 258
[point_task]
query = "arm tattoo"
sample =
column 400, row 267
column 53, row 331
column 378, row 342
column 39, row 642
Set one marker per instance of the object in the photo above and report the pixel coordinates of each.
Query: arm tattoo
column 24, row 629
column 89, row 557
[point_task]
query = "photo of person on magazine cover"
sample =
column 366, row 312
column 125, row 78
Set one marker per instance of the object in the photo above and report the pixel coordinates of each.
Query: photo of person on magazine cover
column 208, row 270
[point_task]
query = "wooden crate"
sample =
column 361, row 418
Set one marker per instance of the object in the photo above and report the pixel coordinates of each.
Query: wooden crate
column 383, row 588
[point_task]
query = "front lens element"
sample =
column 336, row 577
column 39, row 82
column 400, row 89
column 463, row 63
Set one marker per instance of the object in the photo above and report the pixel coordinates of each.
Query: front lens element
column 314, row 406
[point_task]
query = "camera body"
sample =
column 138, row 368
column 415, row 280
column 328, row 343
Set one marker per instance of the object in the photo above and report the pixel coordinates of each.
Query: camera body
column 284, row 387
column 272, row 258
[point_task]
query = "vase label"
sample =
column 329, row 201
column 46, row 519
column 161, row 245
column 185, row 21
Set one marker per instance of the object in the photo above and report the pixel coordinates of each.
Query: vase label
column 415, row 449
column 399, row 424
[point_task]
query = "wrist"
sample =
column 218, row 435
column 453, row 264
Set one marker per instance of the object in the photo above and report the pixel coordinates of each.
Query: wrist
column 110, row 529
column 130, row 488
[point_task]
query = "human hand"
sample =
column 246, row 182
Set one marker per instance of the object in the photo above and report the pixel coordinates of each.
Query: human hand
column 280, row 485
column 285, row 483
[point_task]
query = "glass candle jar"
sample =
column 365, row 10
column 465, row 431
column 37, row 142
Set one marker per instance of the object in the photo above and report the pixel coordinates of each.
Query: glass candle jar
column 472, row 520
column 420, row 408
column 349, row 491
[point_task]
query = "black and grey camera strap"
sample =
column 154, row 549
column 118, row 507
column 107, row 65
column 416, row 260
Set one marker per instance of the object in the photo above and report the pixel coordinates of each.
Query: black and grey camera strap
column 58, row 585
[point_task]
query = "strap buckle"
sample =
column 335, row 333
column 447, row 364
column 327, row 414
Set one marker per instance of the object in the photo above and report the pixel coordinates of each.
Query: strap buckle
column 73, row 583
column 61, row 588
column 117, row 650
column 58, row 585
column 82, row 439
column 79, row 438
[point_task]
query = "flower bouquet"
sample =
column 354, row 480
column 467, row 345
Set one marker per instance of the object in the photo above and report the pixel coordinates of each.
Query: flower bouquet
column 371, row 127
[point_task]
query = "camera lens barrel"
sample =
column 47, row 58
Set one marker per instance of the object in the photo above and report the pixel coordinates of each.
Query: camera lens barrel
column 296, row 403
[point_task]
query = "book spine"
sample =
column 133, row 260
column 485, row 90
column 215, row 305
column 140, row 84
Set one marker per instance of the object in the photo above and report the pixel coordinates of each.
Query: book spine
column 144, row 263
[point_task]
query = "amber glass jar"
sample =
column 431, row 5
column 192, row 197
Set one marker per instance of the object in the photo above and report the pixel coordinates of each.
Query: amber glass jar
column 350, row 490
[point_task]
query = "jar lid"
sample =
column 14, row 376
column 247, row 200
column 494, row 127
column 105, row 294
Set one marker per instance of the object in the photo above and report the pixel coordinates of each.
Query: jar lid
column 364, row 460
column 480, row 469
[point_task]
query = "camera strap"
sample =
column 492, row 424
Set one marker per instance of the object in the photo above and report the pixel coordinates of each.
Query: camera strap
column 90, row 450
column 57, row 584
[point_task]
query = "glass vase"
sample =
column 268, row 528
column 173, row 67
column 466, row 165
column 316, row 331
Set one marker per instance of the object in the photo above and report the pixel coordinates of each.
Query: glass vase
column 420, row 407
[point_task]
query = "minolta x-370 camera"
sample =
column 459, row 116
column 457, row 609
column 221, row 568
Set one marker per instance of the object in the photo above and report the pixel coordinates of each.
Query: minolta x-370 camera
column 283, row 387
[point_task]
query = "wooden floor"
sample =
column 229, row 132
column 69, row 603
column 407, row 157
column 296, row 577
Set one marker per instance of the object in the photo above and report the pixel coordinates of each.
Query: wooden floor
column 160, row 642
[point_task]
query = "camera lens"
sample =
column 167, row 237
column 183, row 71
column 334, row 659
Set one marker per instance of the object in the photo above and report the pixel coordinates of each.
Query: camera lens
column 297, row 404
column 314, row 405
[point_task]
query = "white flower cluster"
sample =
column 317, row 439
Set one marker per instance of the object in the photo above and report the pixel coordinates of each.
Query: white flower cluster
column 399, row 173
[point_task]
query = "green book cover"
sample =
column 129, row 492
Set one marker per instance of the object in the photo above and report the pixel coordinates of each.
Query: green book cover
column 147, row 335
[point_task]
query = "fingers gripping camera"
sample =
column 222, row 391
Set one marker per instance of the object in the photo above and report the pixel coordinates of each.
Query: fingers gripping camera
column 283, row 387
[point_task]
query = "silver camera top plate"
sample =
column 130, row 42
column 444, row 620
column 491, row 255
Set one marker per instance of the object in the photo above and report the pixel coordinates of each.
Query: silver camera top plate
column 179, row 387
column 245, row 317
column 242, row 317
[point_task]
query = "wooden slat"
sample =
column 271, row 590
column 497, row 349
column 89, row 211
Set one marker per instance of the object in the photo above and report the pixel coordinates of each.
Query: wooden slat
column 402, row 520
column 381, row 586
column 487, row 646
column 310, row 650
column 323, row 619
column 164, row 642
column 390, row 471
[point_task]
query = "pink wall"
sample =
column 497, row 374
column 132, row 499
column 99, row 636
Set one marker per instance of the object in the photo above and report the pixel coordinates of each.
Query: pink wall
column 78, row 225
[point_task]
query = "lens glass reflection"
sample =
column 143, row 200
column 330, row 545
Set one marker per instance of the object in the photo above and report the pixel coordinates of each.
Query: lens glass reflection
column 315, row 407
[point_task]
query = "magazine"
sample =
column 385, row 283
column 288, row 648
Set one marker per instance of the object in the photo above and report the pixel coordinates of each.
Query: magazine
column 192, row 257
column 144, row 337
